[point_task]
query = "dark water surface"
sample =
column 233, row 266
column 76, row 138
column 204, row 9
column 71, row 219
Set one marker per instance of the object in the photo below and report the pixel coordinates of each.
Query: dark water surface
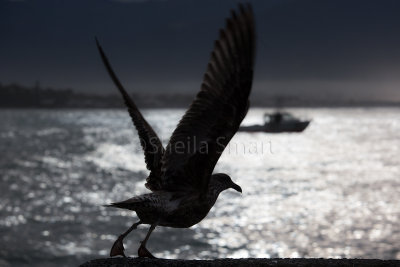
column 332, row 191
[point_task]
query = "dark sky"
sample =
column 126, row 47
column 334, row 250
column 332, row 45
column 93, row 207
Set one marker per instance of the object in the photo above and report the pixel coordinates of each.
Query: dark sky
column 333, row 48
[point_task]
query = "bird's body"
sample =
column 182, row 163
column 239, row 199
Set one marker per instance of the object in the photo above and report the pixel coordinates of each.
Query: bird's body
column 160, row 208
column 181, row 180
column 173, row 209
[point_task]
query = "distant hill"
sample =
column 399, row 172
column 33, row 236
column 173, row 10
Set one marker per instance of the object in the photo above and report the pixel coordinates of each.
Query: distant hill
column 18, row 96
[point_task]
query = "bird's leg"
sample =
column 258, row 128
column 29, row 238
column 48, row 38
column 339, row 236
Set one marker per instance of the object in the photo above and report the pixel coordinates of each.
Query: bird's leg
column 118, row 247
column 143, row 252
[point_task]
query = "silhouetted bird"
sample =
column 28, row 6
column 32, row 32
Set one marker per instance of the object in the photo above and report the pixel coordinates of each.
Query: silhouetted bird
column 181, row 180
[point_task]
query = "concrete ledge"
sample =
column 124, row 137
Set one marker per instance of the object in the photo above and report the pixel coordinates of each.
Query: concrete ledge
column 142, row 262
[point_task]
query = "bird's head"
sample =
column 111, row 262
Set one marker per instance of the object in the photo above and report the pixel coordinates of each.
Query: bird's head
column 222, row 181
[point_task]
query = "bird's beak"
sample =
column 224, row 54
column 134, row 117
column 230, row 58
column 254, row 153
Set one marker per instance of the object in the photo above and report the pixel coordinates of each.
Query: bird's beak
column 236, row 187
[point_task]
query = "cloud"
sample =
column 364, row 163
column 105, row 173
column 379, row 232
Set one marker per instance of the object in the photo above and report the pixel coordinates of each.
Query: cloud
column 136, row 1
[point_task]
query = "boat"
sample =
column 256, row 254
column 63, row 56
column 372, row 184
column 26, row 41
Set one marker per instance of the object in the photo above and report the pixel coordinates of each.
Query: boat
column 278, row 122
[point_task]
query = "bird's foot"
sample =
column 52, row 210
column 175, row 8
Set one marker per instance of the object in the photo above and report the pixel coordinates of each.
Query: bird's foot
column 144, row 253
column 118, row 248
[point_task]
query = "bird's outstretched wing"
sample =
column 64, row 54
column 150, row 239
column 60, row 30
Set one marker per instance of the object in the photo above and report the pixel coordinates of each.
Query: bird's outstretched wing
column 217, row 111
column 151, row 144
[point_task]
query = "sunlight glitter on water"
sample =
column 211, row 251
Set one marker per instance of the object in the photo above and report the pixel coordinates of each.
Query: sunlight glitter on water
column 328, row 192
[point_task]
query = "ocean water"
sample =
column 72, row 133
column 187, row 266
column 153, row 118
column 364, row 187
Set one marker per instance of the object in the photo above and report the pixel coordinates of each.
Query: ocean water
column 331, row 191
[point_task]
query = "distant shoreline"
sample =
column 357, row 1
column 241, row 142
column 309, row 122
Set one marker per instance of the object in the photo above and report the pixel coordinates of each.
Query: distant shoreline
column 185, row 107
column 22, row 97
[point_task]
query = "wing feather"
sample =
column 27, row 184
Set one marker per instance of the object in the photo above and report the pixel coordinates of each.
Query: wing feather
column 151, row 144
column 217, row 111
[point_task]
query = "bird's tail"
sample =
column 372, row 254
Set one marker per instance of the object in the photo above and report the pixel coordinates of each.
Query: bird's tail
column 119, row 205
column 129, row 204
